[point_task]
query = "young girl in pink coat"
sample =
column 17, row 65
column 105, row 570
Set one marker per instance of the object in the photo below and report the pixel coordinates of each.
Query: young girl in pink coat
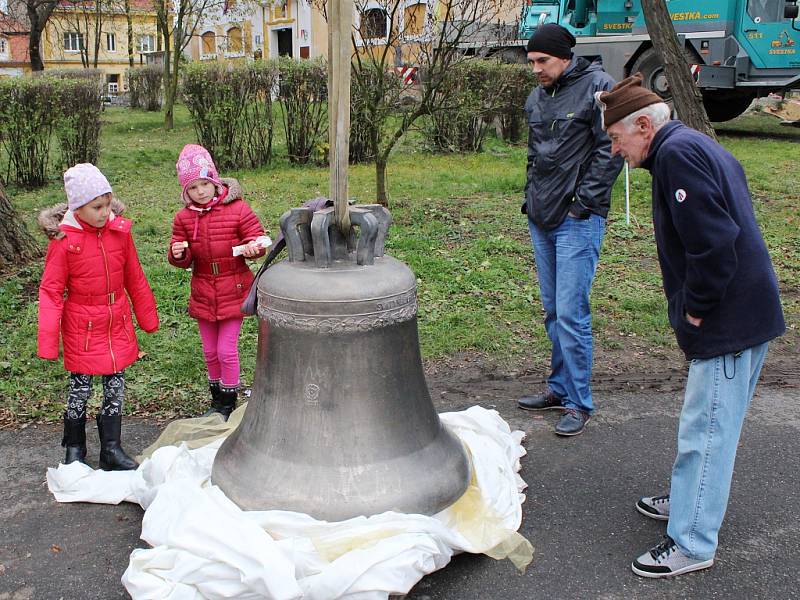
column 212, row 222
column 93, row 259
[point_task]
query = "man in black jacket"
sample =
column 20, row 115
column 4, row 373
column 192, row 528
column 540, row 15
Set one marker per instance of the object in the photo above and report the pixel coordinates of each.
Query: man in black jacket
column 723, row 304
column 567, row 197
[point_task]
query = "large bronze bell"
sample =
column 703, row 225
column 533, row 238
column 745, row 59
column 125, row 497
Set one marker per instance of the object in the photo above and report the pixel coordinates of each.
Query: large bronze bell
column 340, row 422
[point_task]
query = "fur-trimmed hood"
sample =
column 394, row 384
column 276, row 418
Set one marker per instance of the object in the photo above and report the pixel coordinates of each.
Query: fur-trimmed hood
column 50, row 219
column 234, row 191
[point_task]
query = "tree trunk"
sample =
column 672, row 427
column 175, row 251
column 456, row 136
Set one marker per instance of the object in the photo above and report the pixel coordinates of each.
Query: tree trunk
column 35, row 38
column 685, row 94
column 169, row 108
column 17, row 245
column 171, row 93
column 98, row 31
column 169, row 97
column 380, row 181
column 129, row 21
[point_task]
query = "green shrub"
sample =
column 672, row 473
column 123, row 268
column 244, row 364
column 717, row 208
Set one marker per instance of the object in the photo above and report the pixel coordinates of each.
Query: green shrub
column 29, row 113
column 145, row 87
column 472, row 94
column 94, row 76
column 231, row 107
column 303, row 92
column 78, row 129
column 371, row 93
column 32, row 109
column 517, row 83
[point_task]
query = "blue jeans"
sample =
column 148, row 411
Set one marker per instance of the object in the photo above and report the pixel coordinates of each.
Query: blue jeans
column 566, row 260
column 718, row 392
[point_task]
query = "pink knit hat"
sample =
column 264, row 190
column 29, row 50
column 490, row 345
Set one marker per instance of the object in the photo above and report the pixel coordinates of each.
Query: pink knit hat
column 195, row 163
column 83, row 183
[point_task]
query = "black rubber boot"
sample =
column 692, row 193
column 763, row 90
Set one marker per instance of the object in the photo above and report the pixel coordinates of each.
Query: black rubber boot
column 112, row 456
column 216, row 400
column 74, row 440
column 227, row 402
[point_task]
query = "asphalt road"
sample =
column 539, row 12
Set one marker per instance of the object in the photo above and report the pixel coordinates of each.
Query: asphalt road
column 579, row 512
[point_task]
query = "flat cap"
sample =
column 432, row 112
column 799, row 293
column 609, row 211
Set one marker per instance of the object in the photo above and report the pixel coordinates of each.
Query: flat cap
column 625, row 98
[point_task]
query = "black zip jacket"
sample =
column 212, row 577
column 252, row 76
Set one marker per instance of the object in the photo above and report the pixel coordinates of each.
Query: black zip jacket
column 570, row 167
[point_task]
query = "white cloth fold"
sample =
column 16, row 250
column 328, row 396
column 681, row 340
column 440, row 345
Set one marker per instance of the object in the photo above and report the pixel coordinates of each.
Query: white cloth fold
column 206, row 547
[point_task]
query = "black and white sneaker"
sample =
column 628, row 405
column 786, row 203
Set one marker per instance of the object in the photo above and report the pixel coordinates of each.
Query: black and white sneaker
column 667, row 560
column 655, row 507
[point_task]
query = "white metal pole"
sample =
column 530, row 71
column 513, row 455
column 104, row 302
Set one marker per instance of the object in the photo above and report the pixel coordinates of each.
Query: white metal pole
column 627, row 194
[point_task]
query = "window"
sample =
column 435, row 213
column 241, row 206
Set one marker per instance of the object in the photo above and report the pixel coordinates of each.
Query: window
column 765, row 11
column 414, row 15
column 111, row 42
column 73, row 41
column 373, row 23
column 209, row 44
column 3, row 48
column 147, row 43
column 282, row 11
column 235, row 40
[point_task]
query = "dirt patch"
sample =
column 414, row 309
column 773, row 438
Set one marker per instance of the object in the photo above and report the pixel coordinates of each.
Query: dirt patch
column 475, row 377
column 469, row 378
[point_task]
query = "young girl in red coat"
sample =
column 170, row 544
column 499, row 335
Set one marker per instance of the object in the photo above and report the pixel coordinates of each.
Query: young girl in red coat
column 213, row 221
column 92, row 257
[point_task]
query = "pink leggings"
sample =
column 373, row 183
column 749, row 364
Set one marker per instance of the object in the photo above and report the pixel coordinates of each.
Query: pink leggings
column 220, row 346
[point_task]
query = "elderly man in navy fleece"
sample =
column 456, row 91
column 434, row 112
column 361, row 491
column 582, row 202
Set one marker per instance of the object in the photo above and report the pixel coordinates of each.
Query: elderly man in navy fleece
column 723, row 304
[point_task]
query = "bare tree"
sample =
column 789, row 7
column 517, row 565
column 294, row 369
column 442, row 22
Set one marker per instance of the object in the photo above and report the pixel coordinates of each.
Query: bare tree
column 17, row 245
column 36, row 13
column 129, row 23
column 85, row 19
column 177, row 23
column 392, row 34
column 686, row 95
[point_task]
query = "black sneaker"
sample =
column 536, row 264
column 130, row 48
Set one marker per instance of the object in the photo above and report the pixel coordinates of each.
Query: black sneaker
column 667, row 560
column 655, row 507
column 572, row 422
column 546, row 401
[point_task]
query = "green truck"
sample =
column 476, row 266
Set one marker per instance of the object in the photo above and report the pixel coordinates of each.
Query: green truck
column 738, row 49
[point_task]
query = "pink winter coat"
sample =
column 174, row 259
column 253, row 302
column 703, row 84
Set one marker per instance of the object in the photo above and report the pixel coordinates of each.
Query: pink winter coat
column 220, row 281
column 99, row 270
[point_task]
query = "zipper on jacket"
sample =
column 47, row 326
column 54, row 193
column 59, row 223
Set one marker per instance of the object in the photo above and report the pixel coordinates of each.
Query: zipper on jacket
column 110, row 309
column 88, row 336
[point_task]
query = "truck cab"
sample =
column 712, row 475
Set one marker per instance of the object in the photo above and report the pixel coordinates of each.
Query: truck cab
column 738, row 49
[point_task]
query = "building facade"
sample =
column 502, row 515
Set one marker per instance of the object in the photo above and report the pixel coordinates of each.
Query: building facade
column 74, row 39
column 248, row 31
column 14, row 56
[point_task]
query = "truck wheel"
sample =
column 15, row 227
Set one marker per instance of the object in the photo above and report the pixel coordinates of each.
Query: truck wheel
column 653, row 75
column 726, row 105
column 720, row 105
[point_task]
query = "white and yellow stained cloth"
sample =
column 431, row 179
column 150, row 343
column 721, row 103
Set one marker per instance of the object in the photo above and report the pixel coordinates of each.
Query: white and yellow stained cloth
column 203, row 546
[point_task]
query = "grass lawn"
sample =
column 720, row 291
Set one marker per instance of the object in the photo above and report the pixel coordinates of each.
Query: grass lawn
column 456, row 224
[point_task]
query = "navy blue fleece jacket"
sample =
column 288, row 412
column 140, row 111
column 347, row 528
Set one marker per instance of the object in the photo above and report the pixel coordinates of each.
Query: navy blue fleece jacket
column 714, row 262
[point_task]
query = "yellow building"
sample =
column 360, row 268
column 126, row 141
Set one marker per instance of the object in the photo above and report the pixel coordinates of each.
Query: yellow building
column 70, row 40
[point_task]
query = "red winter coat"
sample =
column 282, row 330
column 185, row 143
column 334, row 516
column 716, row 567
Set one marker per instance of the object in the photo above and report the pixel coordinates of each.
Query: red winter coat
column 96, row 267
column 220, row 281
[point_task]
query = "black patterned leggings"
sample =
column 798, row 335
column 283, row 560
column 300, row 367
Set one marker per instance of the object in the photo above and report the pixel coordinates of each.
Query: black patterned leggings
column 80, row 388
